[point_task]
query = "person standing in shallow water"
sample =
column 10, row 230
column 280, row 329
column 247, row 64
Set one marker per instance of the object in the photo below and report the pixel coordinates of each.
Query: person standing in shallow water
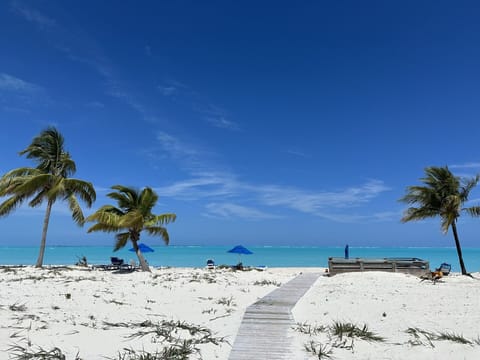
column 346, row 251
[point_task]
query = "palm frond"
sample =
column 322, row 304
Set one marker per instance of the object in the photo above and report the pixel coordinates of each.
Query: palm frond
column 104, row 228
column 121, row 240
column 467, row 186
column 415, row 214
column 158, row 231
column 29, row 185
column 447, row 220
column 473, row 211
column 163, row 219
column 126, row 197
column 77, row 214
column 83, row 189
column 38, row 198
column 147, row 200
column 11, row 204
column 68, row 166
column 20, row 172
column 47, row 150
column 108, row 215
column 132, row 220
column 56, row 188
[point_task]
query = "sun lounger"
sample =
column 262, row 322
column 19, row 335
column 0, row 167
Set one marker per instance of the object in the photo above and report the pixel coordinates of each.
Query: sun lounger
column 261, row 267
column 116, row 264
column 116, row 261
column 210, row 264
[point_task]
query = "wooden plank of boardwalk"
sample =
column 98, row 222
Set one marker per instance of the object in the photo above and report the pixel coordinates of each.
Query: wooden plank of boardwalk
column 263, row 333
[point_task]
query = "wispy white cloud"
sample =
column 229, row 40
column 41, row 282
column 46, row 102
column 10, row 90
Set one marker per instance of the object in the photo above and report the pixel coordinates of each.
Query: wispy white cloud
column 14, row 84
column 95, row 105
column 205, row 183
column 194, row 159
column 174, row 87
column 468, row 165
column 80, row 47
column 175, row 147
column 222, row 123
column 231, row 210
column 297, row 153
column 388, row 216
column 167, row 90
column 184, row 94
column 342, row 217
column 20, row 96
column 217, row 117
column 32, row 15
column 313, row 202
column 202, row 185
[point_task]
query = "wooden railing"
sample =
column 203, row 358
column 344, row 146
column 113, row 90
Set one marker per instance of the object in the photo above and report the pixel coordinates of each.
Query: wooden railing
column 412, row 266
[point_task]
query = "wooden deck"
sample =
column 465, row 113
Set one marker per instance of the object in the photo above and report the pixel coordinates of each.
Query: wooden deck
column 412, row 266
column 263, row 333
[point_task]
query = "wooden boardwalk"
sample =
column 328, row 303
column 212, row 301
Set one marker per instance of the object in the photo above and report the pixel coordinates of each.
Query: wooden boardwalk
column 263, row 333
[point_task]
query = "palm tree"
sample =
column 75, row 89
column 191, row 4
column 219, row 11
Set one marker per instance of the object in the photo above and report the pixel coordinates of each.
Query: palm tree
column 49, row 181
column 443, row 195
column 132, row 216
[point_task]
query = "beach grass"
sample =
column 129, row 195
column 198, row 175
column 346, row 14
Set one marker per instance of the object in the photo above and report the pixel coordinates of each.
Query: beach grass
column 319, row 350
column 425, row 337
column 19, row 352
column 350, row 330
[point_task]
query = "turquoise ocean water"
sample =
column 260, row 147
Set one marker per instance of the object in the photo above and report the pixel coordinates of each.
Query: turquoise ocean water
column 271, row 256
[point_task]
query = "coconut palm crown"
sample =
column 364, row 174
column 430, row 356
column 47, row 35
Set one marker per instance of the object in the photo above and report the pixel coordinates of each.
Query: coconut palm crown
column 49, row 181
column 132, row 216
column 443, row 195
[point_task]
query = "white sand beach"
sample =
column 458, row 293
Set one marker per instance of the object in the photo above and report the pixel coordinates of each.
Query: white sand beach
column 390, row 304
column 92, row 314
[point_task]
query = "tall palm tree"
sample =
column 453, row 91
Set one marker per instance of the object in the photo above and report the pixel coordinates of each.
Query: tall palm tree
column 49, row 181
column 132, row 216
column 443, row 195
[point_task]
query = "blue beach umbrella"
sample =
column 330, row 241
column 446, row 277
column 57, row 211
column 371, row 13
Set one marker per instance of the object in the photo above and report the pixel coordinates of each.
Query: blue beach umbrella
column 239, row 249
column 143, row 248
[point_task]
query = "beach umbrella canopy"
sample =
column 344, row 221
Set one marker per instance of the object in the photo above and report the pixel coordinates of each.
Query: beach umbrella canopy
column 143, row 248
column 239, row 249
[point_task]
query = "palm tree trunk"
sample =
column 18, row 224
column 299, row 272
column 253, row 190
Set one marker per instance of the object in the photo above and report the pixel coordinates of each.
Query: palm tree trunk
column 141, row 259
column 459, row 249
column 44, row 234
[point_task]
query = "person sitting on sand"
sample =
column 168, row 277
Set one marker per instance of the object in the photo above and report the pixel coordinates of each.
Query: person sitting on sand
column 433, row 275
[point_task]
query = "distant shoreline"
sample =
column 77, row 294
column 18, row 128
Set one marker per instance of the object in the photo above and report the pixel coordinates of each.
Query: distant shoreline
column 271, row 256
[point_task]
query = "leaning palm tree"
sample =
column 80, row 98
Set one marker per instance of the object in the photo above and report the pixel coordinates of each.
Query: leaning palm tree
column 443, row 195
column 132, row 216
column 49, row 181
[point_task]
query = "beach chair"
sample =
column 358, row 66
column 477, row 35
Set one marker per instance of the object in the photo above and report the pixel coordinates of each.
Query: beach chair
column 239, row 266
column 444, row 268
column 210, row 264
column 117, row 263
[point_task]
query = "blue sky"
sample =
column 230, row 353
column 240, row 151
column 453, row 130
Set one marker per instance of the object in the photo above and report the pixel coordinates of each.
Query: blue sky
column 257, row 123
